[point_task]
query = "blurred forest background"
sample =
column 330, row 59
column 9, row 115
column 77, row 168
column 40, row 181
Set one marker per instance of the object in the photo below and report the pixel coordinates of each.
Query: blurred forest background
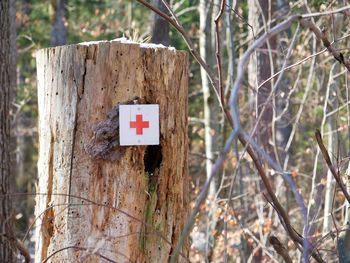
column 238, row 221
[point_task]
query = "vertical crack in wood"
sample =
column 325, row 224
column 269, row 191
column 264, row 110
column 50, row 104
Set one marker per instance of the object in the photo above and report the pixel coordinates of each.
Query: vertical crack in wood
column 47, row 228
column 173, row 240
column 78, row 98
column 84, row 74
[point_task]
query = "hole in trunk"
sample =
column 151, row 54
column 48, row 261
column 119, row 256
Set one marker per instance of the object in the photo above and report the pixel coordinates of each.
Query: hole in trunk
column 153, row 158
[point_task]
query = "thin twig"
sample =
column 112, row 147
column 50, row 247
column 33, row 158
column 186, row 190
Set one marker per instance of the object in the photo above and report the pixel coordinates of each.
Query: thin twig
column 218, row 50
column 326, row 13
column 291, row 66
column 188, row 41
column 322, row 36
column 243, row 62
column 15, row 243
column 85, row 249
column 330, row 165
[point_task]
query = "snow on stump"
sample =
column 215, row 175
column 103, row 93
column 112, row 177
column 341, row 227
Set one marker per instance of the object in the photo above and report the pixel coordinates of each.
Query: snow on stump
column 96, row 199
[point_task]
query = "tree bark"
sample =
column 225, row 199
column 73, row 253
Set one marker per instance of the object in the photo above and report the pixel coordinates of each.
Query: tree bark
column 260, row 70
column 161, row 28
column 6, row 246
column 77, row 86
column 59, row 25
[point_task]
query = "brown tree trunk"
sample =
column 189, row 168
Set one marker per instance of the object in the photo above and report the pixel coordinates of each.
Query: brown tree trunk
column 160, row 29
column 129, row 209
column 59, row 25
column 260, row 70
column 6, row 247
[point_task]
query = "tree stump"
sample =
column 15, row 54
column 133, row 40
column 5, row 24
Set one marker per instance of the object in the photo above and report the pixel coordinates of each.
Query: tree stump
column 97, row 200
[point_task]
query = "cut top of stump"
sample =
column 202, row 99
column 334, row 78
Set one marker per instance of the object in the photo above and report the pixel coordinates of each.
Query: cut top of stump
column 124, row 40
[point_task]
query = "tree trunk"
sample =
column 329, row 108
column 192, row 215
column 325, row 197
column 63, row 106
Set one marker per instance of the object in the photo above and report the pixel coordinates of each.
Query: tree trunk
column 332, row 147
column 260, row 70
column 333, row 139
column 211, row 112
column 110, row 201
column 160, row 29
column 59, row 25
column 281, row 124
column 6, row 246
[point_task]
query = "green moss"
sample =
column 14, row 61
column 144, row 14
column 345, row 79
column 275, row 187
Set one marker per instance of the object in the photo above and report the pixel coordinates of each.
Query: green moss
column 158, row 226
column 142, row 238
column 151, row 186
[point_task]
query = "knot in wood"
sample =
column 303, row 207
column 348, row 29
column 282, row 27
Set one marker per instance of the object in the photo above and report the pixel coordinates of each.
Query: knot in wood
column 104, row 142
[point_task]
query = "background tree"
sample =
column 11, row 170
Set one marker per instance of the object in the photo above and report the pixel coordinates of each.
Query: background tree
column 261, row 68
column 160, row 27
column 206, row 51
column 7, row 84
column 59, row 22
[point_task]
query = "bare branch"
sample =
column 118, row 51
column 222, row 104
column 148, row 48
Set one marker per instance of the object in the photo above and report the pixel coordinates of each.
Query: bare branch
column 15, row 243
column 322, row 36
column 280, row 249
column 218, row 49
column 234, row 121
column 243, row 62
column 330, row 165
column 343, row 10
column 188, row 41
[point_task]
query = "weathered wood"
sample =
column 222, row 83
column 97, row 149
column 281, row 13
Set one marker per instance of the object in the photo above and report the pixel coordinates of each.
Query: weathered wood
column 77, row 86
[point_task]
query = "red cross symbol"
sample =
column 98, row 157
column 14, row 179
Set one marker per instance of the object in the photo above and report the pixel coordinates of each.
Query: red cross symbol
column 139, row 124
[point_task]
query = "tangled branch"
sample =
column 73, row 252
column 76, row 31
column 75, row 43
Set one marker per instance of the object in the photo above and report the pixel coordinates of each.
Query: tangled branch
column 233, row 116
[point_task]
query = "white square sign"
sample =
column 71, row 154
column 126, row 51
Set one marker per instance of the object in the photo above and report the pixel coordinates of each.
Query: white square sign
column 139, row 124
